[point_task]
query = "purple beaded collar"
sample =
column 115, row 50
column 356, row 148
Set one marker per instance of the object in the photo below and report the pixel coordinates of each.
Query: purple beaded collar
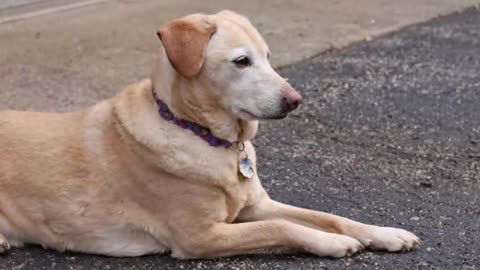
column 200, row 131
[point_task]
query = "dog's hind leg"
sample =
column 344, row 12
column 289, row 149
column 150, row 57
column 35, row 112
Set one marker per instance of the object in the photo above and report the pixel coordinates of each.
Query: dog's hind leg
column 4, row 245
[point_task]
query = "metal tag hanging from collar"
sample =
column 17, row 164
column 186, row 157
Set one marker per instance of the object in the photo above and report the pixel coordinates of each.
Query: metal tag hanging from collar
column 245, row 165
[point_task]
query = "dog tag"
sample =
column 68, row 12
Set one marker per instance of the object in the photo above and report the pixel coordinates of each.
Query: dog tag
column 245, row 167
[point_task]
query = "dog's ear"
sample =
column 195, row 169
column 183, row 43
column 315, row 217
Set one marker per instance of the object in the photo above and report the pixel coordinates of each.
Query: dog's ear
column 185, row 41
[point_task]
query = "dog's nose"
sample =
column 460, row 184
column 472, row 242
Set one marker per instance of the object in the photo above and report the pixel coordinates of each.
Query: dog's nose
column 292, row 100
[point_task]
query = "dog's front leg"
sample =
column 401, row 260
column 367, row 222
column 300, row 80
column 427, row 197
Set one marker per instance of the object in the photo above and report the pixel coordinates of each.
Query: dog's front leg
column 221, row 239
column 374, row 237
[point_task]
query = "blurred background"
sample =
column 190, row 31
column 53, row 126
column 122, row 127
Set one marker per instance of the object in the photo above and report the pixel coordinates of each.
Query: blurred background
column 60, row 55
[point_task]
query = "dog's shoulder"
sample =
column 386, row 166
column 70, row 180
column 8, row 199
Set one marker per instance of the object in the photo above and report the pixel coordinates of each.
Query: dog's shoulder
column 177, row 151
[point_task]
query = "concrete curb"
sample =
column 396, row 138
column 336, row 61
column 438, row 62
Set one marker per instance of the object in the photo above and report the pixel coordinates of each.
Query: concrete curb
column 46, row 11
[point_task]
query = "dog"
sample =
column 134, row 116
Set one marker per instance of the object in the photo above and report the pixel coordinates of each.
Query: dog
column 167, row 164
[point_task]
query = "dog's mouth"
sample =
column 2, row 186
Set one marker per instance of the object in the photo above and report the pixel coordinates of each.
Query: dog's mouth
column 264, row 117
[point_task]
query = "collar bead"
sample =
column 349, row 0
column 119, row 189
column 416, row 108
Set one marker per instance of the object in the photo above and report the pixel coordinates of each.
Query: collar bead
column 198, row 130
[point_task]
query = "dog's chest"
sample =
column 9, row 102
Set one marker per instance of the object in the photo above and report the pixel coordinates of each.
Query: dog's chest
column 237, row 197
column 241, row 193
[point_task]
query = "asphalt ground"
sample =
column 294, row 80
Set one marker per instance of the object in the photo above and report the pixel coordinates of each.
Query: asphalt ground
column 389, row 134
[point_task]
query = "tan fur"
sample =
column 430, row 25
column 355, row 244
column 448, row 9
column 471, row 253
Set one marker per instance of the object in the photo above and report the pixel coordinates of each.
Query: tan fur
column 185, row 41
column 117, row 179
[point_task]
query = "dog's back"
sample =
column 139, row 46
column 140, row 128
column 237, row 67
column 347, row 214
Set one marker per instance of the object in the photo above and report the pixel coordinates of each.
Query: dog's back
column 35, row 150
column 60, row 183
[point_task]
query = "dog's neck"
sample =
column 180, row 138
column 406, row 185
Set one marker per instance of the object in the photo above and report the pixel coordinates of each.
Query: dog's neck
column 186, row 100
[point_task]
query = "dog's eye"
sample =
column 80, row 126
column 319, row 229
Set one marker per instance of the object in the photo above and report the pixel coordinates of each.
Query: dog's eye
column 242, row 62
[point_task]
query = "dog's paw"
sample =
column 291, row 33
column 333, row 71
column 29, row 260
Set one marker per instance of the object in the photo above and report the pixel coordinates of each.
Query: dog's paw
column 345, row 246
column 390, row 239
column 335, row 245
column 4, row 245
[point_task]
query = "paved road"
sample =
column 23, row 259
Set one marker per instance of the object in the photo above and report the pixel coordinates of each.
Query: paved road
column 389, row 134
column 70, row 59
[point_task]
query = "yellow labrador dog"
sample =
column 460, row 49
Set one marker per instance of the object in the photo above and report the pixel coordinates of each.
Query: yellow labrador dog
column 167, row 164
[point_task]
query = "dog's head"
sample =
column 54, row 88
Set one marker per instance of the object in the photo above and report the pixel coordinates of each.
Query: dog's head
column 227, row 56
